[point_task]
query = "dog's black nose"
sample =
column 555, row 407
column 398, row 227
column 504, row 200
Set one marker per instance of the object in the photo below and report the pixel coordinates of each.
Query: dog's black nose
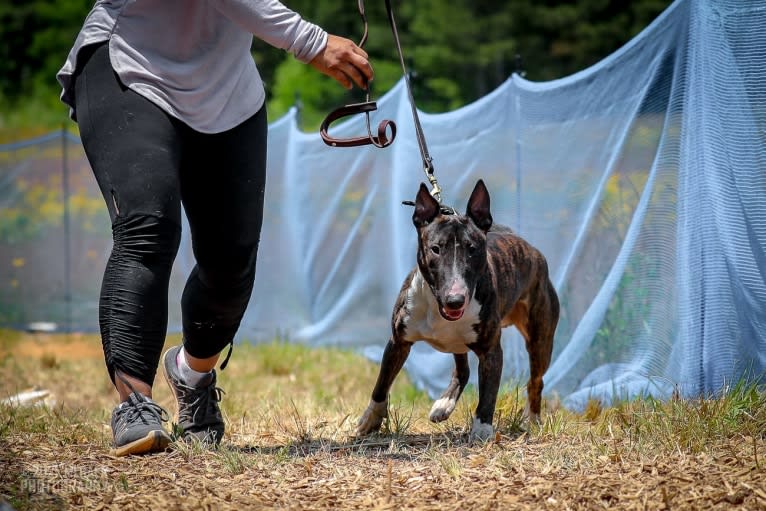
column 455, row 301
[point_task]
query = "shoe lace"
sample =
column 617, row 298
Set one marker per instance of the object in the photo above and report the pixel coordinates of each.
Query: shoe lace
column 202, row 404
column 144, row 410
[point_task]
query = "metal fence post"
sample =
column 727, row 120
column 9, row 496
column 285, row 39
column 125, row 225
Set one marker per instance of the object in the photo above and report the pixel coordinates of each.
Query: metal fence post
column 67, row 232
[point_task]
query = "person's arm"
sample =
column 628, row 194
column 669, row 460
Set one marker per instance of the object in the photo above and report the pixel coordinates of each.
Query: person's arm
column 281, row 27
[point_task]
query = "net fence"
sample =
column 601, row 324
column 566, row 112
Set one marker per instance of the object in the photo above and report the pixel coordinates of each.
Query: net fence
column 641, row 179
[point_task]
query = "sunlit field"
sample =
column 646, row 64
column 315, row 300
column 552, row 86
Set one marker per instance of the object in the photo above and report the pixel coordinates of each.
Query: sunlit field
column 290, row 444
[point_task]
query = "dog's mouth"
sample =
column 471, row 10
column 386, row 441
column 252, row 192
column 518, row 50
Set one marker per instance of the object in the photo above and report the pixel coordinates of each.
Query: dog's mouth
column 452, row 314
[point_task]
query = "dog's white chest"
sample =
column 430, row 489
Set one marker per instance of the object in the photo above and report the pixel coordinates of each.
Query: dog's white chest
column 425, row 323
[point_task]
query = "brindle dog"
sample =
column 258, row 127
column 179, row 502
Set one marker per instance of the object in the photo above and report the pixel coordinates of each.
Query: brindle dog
column 471, row 280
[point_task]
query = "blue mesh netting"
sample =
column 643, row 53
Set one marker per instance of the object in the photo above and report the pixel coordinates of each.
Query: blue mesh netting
column 641, row 179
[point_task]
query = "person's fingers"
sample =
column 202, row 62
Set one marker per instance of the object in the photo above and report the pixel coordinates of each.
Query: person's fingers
column 355, row 65
column 355, row 74
column 360, row 51
column 341, row 78
column 362, row 65
column 344, row 61
column 333, row 72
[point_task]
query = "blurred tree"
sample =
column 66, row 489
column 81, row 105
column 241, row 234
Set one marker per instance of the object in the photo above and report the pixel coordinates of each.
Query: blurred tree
column 461, row 50
column 557, row 38
column 18, row 25
column 458, row 50
column 36, row 38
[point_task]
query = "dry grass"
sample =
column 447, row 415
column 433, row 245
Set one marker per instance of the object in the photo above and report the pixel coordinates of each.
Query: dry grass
column 291, row 412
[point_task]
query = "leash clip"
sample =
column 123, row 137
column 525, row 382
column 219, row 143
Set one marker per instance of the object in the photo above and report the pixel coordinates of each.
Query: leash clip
column 436, row 191
column 382, row 140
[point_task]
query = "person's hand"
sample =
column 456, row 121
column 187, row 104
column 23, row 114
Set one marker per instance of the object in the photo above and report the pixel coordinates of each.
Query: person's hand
column 344, row 61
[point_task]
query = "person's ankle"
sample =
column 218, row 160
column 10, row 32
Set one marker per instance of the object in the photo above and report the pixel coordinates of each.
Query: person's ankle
column 189, row 376
column 201, row 365
column 126, row 385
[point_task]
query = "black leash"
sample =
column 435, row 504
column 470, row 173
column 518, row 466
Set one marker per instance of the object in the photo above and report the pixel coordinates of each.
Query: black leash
column 428, row 166
column 368, row 106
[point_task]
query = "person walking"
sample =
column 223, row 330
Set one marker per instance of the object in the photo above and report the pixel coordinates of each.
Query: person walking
column 170, row 108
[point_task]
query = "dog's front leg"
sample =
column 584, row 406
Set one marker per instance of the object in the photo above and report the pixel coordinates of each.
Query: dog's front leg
column 445, row 405
column 394, row 355
column 490, row 370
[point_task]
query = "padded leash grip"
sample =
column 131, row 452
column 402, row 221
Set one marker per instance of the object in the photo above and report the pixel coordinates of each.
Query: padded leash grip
column 382, row 140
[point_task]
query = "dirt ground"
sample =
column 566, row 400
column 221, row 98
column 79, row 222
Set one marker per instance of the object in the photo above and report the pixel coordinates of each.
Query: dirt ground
column 290, row 445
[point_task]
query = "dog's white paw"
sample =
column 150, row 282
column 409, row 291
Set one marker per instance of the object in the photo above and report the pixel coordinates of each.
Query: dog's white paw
column 372, row 417
column 481, row 432
column 442, row 409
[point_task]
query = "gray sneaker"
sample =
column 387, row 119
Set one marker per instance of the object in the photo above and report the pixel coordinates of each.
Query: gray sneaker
column 137, row 426
column 199, row 415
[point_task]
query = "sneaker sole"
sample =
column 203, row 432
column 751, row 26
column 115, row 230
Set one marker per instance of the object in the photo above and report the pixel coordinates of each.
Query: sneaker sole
column 155, row 441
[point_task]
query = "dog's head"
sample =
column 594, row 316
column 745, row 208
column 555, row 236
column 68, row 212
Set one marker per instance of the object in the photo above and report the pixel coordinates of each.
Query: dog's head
column 452, row 249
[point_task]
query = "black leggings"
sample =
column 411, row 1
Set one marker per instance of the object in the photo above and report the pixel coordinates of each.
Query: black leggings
column 148, row 164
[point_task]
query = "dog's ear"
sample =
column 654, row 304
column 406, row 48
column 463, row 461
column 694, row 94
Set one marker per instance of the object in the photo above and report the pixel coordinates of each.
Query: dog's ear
column 478, row 207
column 426, row 207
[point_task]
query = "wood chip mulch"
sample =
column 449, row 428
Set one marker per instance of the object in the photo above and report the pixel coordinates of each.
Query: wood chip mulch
column 439, row 472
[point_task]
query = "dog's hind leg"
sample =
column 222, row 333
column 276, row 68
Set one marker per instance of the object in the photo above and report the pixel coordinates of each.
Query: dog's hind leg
column 540, row 348
column 394, row 357
column 445, row 405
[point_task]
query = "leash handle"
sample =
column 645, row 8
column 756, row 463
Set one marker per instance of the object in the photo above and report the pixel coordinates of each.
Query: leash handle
column 383, row 139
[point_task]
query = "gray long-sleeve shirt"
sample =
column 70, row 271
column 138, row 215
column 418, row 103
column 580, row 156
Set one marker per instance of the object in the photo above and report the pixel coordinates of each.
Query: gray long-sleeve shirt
column 192, row 57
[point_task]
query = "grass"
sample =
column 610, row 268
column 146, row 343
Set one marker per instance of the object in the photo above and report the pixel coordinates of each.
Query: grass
column 290, row 444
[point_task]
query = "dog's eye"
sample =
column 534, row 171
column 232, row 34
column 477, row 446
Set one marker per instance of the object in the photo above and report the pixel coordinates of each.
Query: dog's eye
column 471, row 249
column 435, row 249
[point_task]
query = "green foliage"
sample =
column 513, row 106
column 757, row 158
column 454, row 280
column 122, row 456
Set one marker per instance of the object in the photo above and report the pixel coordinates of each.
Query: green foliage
column 31, row 116
column 692, row 425
column 557, row 38
column 399, row 419
column 457, row 51
column 509, row 411
column 36, row 38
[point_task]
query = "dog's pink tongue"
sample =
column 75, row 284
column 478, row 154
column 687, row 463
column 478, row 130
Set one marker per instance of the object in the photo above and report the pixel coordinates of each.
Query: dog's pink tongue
column 453, row 314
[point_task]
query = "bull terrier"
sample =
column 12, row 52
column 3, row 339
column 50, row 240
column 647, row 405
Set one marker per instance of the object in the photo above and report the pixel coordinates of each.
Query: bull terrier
column 472, row 279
